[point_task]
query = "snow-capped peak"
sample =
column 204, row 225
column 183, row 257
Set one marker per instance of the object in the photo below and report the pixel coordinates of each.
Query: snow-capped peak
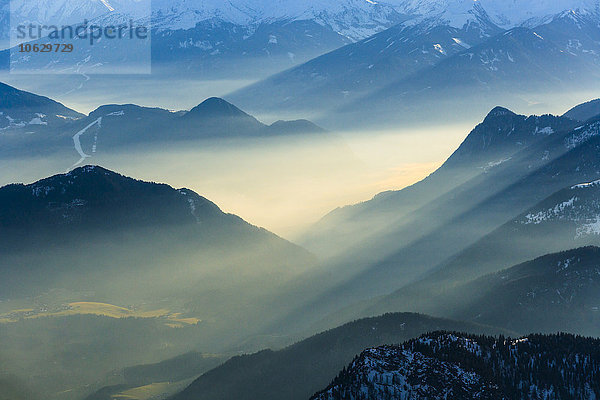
column 355, row 19
column 505, row 14
column 510, row 13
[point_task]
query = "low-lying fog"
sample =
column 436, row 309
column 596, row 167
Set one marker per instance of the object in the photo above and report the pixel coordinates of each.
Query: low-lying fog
column 283, row 184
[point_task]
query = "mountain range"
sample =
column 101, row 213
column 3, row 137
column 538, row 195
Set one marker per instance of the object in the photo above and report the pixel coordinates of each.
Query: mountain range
column 36, row 125
column 554, row 292
column 297, row 371
column 392, row 77
column 80, row 221
column 206, row 38
column 564, row 220
column 434, row 231
column 527, row 184
column 95, row 251
column 442, row 365
column 543, row 166
column 113, row 287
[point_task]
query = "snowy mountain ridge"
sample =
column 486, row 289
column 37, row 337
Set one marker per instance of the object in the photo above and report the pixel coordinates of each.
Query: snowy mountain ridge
column 444, row 365
column 504, row 14
column 354, row 19
column 211, row 35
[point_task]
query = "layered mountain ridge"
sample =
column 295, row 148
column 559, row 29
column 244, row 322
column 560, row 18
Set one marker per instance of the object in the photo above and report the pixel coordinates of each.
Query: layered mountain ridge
column 554, row 292
column 207, row 36
column 402, row 71
column 352, row 18
column 416, row 238
column 95, row 254
column 91, row 208
column 297, row 371
column 37, row 125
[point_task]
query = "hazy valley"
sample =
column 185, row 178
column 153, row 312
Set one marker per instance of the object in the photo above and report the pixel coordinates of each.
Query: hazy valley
column 348, row 200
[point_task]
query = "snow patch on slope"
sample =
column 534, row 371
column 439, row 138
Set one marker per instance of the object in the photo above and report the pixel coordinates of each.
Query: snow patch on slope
column 582, row 135
column 553, row 212
column 586, row 185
